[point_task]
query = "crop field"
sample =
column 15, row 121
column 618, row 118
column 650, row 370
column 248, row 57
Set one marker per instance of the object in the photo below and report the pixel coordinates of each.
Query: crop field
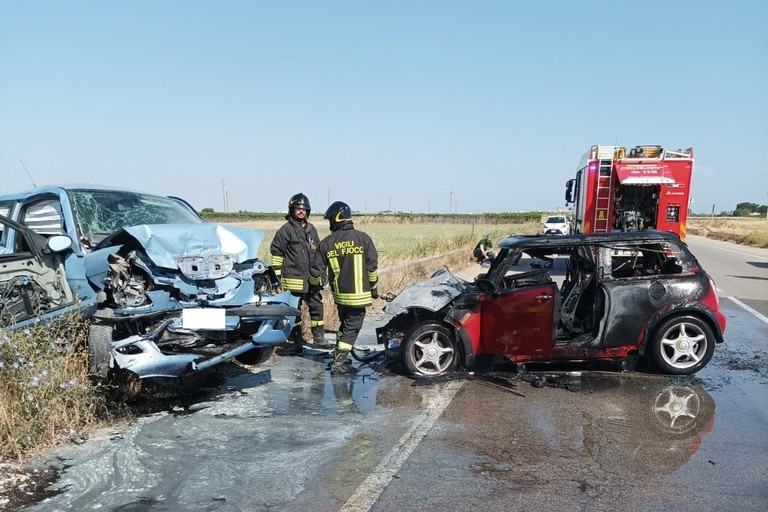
column 743, row 230
column 398, row 242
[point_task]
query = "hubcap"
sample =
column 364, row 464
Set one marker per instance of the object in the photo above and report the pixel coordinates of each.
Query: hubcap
column 432, row 354
column 683, row 345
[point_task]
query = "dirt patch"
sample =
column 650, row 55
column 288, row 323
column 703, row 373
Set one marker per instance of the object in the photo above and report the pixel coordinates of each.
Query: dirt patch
column 20, row 488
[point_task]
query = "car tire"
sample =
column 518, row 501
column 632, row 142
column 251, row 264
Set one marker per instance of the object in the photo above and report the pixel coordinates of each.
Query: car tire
column 257, row 355
column 682, row 345
column 99, row 349
column 429, row 350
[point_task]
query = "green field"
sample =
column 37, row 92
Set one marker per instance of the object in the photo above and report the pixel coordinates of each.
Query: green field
column 397, row 241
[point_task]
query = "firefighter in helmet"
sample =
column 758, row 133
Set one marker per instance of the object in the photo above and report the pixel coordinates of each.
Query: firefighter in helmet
column 351, row 260
column 293, row 250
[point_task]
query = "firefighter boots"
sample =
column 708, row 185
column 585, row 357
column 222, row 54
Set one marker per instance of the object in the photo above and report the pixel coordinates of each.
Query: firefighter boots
column 341, row 364
column 298, row 341
column 318, row 338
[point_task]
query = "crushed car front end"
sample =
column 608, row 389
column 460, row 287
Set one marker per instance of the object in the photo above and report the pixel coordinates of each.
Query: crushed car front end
column 186, row 297
column 166, row 292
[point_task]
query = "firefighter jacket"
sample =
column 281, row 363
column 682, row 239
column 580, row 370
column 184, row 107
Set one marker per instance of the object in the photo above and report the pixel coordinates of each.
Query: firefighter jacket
column 293, row 250
column 352, row 264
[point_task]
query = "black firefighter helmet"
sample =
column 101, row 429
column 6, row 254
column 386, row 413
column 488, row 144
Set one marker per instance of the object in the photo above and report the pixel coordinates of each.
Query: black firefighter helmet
column 299, row 201
column 338, row 214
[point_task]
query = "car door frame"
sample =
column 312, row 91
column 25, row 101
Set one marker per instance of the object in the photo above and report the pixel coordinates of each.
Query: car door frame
column 39, row 263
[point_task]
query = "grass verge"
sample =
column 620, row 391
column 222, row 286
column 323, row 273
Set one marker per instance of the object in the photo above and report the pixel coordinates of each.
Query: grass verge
column 46, row 396
column 752, row 231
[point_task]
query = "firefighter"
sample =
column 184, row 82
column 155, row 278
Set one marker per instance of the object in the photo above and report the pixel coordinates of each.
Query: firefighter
column 351, row 260
column 293, row 250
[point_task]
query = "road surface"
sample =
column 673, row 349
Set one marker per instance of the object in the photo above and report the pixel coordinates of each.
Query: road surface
column 288, row 437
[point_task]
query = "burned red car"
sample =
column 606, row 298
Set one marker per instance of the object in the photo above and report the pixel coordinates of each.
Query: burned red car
column 627, row 297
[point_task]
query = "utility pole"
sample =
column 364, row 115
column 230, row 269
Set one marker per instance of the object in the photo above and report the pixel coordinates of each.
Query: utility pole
column 429, row 206
column 224, row 196
column 390, row 202
column 450, row 202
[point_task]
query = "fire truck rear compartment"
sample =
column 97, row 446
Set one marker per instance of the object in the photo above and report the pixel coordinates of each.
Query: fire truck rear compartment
column 636, row 203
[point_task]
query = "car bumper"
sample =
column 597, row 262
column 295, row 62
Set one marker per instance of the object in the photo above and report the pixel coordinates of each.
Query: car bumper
column 142, row 356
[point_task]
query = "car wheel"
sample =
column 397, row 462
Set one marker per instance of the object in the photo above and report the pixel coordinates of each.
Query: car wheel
column 99, row 349
column 682, row 345
column 257, row 355
column 429, row 349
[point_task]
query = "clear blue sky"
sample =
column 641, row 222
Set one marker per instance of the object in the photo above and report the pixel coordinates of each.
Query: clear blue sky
column 414, row 105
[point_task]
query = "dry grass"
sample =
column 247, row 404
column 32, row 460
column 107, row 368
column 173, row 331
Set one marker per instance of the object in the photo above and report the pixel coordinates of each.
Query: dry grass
column 46, row 396
column 743, row 230
column 408, row 252
column 401, row 241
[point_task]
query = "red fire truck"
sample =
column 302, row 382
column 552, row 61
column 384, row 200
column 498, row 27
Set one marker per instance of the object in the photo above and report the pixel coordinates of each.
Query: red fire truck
column 647, row 187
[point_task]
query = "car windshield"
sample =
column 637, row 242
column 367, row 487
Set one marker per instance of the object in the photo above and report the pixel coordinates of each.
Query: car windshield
column 556, row 220
column 99, row 213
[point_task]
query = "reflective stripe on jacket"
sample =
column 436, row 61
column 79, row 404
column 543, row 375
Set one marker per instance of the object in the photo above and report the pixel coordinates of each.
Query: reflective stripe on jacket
column 352, row 264
column 293, row 250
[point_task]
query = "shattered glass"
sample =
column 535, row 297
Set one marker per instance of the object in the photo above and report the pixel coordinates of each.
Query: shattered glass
column 102, row 212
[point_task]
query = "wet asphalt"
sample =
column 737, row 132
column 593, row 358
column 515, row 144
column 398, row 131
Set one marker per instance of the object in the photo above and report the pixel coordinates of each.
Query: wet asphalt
column 288, row 436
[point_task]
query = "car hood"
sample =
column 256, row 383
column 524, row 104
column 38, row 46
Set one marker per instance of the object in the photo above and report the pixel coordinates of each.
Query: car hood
column 164, row 243
column 432, row 294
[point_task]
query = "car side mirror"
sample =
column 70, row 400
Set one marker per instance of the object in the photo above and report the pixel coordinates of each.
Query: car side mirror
column 569, row 190
column 59, row 243
column 536, row 264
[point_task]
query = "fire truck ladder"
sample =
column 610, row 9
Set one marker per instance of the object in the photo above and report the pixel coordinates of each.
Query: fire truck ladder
column 603, row 196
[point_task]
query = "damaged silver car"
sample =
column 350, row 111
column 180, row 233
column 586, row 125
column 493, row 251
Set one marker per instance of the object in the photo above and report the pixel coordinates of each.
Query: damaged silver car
column 167, row 293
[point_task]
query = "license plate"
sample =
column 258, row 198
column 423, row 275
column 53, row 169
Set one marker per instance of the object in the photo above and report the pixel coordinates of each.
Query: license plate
column 204, row 318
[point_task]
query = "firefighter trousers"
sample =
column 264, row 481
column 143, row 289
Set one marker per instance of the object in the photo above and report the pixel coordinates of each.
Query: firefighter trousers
column 314, row 301
column 350, row 323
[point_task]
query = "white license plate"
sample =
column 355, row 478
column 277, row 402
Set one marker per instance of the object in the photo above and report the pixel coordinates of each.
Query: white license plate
column 204, row 318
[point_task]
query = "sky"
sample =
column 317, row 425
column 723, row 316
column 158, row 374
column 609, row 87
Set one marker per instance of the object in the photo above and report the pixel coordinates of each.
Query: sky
column 426, row 106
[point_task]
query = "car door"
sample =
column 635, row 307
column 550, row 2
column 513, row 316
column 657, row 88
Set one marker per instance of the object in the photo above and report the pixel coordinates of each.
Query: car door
column 518, row 322
column 33, row 285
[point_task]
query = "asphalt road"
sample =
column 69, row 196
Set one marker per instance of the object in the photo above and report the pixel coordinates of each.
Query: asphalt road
column 287, row 436
column 739, row 272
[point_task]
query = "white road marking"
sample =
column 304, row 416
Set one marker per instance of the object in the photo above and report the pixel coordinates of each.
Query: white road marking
column 750, row 255
column 369, row 491
column 749, row 309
